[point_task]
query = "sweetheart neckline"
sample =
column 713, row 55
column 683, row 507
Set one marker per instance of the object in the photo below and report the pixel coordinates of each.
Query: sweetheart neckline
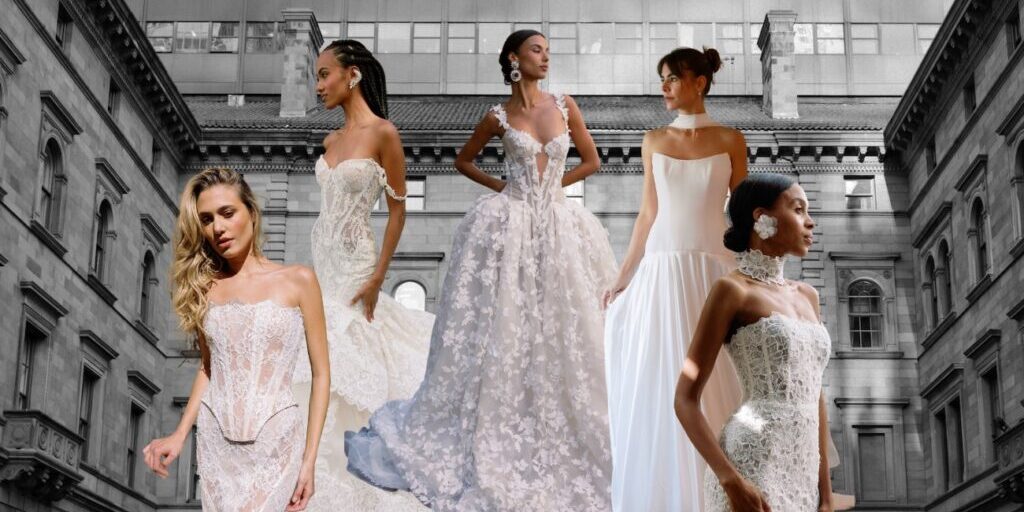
column 335, row 166
column 543, row 145
column 774, row 314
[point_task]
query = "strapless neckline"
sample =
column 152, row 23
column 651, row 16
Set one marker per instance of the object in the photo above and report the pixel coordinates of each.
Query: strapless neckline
column 335, row 166
column 701, row 159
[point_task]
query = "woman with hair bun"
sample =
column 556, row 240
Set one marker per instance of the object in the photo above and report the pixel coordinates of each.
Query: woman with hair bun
column 378, row 347
column 511, row 415
column 675, row 253
column 772, row 453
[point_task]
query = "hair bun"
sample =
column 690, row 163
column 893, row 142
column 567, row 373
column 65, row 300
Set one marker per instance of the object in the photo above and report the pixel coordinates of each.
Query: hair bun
column 736, row 240
column 714, row 59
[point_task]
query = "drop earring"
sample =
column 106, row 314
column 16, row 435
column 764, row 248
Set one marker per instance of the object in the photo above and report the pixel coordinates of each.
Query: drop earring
column 515, row 75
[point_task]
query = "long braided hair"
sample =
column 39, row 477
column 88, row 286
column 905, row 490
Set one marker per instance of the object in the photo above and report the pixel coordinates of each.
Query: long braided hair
column 350, row 52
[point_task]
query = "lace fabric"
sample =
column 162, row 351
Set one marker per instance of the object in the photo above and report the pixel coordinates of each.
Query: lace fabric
column 250, row 434
column 773, row 438
column 757, row 265
column 511, row 414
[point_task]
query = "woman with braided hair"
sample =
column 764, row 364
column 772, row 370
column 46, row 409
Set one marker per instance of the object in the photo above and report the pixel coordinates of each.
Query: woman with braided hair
column 378, row 349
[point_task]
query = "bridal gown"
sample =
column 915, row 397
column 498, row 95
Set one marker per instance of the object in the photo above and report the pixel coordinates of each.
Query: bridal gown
column 250, row 436
column 647, row 334
column 512, row 412
column 371, row 362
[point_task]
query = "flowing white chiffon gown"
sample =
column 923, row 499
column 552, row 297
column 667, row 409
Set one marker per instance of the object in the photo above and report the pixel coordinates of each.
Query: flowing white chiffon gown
column 647, row 334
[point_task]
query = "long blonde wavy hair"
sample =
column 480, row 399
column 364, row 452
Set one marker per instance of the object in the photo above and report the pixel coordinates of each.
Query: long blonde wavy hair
column 196, row 264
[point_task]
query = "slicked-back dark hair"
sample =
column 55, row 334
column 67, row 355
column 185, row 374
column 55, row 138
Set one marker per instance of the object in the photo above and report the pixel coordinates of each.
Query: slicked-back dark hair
column 512, row 44
column 759, row 190
column 350, row 52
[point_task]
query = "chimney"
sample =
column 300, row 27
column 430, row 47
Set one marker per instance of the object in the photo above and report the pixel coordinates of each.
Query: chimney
column 778, row 65
column 302, row 40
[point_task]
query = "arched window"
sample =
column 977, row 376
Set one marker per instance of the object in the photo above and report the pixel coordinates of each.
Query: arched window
column 148, row 284
column 99, row 258
column 931, row 294
column 945, row 286
column 411, row 295
column 52, row 184
column 981, row 237
column 865, row 314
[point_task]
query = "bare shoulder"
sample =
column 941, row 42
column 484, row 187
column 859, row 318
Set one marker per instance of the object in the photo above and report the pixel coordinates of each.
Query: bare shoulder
column 386, row 128
column 810, row 293
column 654, row 139
column 569, row 101
column 728, row 290
column 329, row 138
column 299, row 275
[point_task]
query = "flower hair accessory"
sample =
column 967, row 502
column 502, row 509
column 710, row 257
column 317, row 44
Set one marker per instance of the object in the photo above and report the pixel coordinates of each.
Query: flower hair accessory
column 766, row 226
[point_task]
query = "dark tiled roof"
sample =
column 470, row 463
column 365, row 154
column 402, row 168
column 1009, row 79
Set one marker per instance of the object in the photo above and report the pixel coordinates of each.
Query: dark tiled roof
column 615, row 113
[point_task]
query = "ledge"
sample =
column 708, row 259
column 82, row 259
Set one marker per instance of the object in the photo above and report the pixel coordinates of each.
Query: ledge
column 952, row 372
column 865, row 354
column 1017, row 311
column 98, row 345
column 3, row 260
column 48, row 238
column 100, row 289
column 872, row 402
column 32, row 290
column 940, row 214
column 41, row 455
column 136, row 378
column 984, row 340
column 1017, row 249
column 146, row 332
column 871, row 256
column 939, row 330
column 968, row 175
column 960, row 487
column 980, row 288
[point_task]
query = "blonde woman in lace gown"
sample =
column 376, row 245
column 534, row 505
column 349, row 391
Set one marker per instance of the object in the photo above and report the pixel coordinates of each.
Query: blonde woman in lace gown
column 378, row 347
column 773, row 453
column 511, row 415
column 251, row 319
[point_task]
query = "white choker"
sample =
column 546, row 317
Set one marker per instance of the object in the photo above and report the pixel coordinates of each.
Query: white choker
column 691, row 121
column 761, row 267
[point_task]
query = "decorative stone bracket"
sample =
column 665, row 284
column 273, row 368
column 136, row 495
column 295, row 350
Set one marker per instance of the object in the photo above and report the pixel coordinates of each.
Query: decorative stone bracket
column 41, row 455
column 1010, row 449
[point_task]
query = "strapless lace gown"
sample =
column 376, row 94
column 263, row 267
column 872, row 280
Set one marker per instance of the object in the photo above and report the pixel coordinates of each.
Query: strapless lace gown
column 773, row 437
column 371, row 362
column 250, row 434
column 511, row 415
column 647, row 336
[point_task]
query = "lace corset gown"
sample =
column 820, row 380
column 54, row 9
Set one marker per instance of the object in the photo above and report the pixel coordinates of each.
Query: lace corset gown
column 511, row 414
column 371, row 362
column 250, row 434
column 773, row 437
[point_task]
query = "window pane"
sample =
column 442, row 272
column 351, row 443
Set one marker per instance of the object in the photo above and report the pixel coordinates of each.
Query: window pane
column 414, row 187
column 414, row 204
column 730, row 30
column 426, row 46
column 192, row 37
column 160, row 29
column 830, row 30
column 865, row 46
column 803, row 38
column 530, row 26
column 696, row 35
column 356, row 30
column 858, row 186
column 225, row 37
column 460, row 45
column 461, row 30
column 562, row 30
column 628, row 46
column 261, row 37
column 596, row 38
column 830, row 46
column 662, row 46
column 628, row 30
column 731, row 46
column 562, row 45
column 755, row 32
column 427, row 30
column 665, row 31
column 492, row 36
column 864, row 31
column 393, row 37
column 927, row 31
column 330, row 31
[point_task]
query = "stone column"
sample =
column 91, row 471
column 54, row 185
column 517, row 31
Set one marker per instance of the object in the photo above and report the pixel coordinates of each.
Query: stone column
column 778, row 65
column 302, row 40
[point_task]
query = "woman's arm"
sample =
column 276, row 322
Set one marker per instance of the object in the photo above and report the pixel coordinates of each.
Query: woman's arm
column 311, row 305
column 738, row 158
column 641, row 227
column 589, row 160
column 160, row 453
column 465, row 163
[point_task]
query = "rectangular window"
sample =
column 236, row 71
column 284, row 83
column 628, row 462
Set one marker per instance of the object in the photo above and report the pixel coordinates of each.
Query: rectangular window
column 394, row 37
column 596, row 38
column 803, row 38
column 696, row 35
column 31, row 341
column 85, row 408
column 970, row 100
column 949, row 441
column 864, row 38
column 873, row 465
column 364, row 33
column 113, row 98
column 223, row 37
column 64, row 26
column 729, row 38
column 262, row 37
column 664, row 38
column 330, row 31
column 993, row 405
column 191, row 37
column 562, row 37
column 929, row 156
column 628, row 38
column 860, row 192
column 426, row 38
column 1013, row 36
column 925, row 34
column 161, row 35
column 461, row 37
column 415, row 193
column 755, row 33
column 574, row 192
column 156, row 155
column 830, row 38
column 492, row 36
column 134, row 430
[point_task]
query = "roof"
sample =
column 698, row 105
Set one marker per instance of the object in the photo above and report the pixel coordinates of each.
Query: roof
column 609, row 113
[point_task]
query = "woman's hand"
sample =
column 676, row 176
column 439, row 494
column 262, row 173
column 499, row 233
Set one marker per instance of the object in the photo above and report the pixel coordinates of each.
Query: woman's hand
column 368, row 293
column 303, row 489
column 743, row 496
column 611, row 293
column 160, row 453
